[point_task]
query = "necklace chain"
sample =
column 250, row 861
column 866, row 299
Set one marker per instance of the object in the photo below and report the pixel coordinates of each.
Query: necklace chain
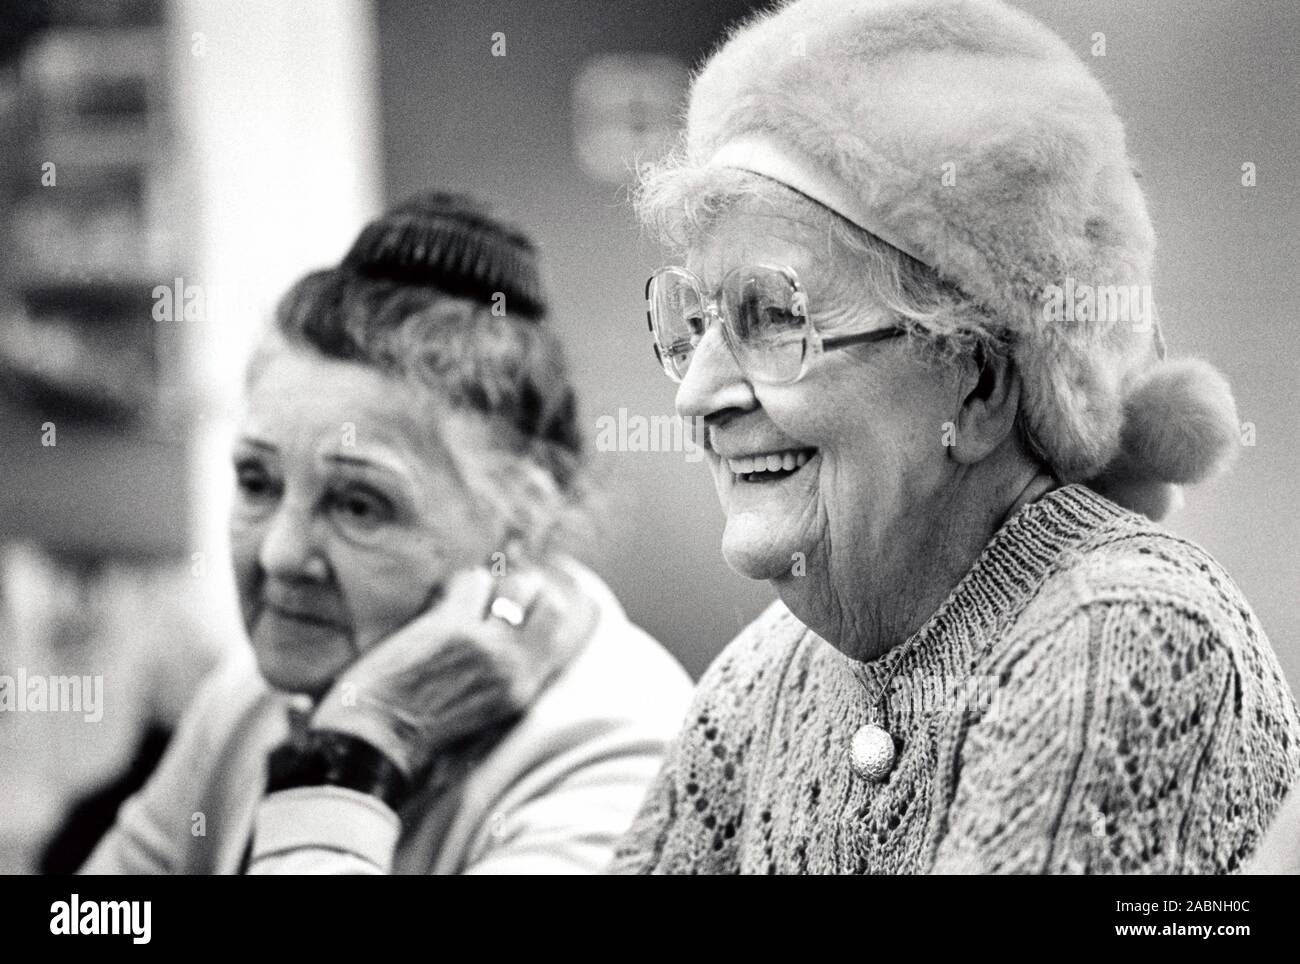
column 879, row 699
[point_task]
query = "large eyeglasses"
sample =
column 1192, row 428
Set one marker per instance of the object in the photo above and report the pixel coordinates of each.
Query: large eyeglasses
column 764, row 314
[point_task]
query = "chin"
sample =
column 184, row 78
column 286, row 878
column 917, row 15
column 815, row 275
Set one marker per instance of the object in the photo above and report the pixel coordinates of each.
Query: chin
column 752, row 552
column 294, row 680
column 300, row 664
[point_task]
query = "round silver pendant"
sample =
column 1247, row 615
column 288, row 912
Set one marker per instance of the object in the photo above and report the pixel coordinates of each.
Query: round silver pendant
column 872, row 752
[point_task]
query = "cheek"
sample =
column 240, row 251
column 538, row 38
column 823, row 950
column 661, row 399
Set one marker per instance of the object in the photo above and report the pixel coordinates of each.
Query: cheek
column 245, row 546
column 878, row 452
column 385, row 589
column 883, row 470
column 873, row 456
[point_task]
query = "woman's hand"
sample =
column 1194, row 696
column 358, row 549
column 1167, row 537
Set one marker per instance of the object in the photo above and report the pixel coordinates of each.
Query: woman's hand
column 451, row 672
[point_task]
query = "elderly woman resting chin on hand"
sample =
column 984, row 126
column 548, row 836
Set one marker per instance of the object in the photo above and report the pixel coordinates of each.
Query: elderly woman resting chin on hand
column 436, row 687
column 978, row 663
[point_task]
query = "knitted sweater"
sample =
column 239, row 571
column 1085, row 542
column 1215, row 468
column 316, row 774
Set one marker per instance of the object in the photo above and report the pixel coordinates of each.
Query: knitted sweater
column 1094, row 696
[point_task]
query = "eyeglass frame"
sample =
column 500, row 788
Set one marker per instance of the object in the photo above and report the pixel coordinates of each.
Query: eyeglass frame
column 815, row 344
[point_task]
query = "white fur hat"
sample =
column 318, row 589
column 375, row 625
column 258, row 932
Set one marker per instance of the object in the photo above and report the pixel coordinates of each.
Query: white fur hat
column 968, row 135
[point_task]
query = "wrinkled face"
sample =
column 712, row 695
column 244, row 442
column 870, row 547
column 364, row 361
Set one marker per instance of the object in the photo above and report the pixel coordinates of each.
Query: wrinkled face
column 348, row 516
column 856, row 443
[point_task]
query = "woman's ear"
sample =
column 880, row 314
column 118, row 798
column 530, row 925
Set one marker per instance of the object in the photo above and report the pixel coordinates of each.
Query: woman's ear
column 989, row 398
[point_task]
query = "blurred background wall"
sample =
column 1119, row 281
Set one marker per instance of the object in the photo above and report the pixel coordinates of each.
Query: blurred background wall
column 234, row 144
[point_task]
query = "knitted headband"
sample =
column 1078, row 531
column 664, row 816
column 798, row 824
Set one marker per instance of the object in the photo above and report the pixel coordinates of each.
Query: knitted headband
column 967, row 135
column 768, row 157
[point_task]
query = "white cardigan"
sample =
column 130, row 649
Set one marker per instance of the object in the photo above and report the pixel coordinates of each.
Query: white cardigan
column 552, row 797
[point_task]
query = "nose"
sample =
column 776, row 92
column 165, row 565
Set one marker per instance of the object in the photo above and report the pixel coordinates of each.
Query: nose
column 289, row 548
column 714, row 383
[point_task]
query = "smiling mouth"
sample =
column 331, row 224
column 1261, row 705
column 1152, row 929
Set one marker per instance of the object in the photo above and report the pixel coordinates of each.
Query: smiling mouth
column 769, row 467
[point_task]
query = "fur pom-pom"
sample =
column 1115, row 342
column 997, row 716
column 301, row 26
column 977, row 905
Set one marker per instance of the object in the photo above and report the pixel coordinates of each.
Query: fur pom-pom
column 1180, row 424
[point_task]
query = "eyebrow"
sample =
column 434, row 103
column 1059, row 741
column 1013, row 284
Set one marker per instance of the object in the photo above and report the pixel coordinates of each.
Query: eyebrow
column 359, row 461
column 371, row 464
column 353, row 461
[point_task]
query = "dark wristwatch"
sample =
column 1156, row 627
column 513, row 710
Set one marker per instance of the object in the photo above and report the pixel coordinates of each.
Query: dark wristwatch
column 329, row 758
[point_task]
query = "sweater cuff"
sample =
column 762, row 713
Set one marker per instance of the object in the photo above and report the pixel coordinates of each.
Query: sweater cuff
column 326, row 818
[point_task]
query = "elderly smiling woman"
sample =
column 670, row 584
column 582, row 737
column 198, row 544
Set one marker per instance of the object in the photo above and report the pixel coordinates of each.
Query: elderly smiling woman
column 982, row 659
column 436, row 686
